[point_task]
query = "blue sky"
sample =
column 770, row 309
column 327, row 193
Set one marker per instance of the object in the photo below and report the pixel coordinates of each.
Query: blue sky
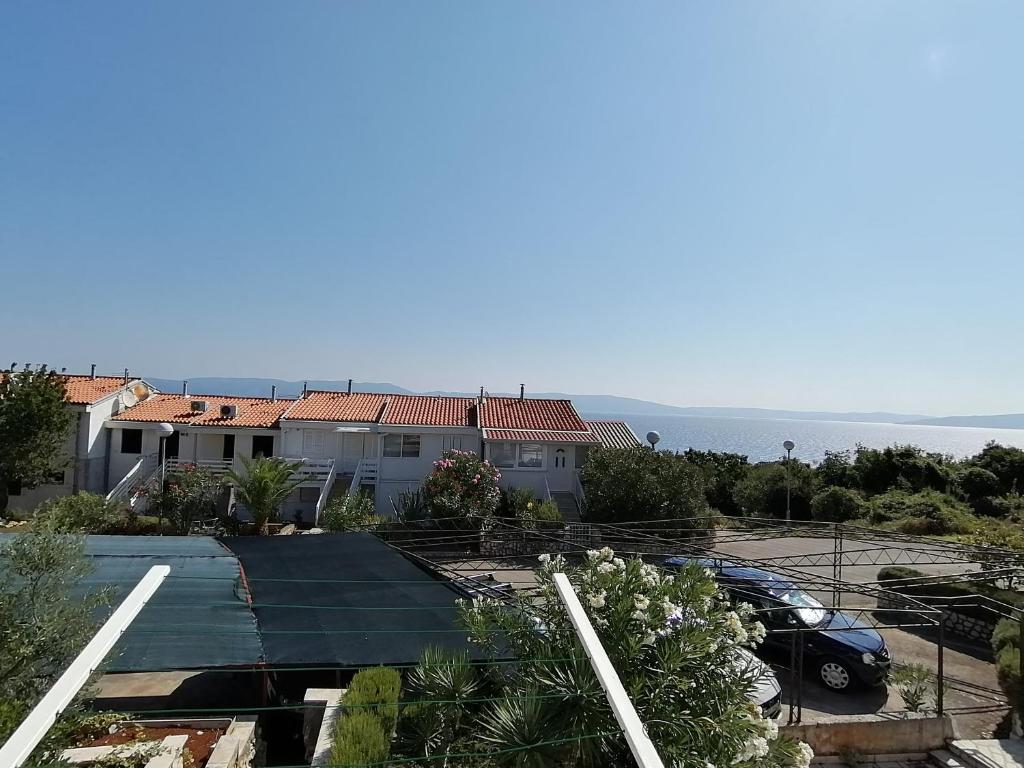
column 787, row 204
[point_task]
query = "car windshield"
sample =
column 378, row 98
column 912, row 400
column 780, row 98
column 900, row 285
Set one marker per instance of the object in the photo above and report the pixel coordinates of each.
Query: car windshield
column 806, row 608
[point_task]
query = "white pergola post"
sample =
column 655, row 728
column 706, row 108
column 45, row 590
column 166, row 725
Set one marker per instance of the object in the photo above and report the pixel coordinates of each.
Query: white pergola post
column 639, row 742
column 32, row 730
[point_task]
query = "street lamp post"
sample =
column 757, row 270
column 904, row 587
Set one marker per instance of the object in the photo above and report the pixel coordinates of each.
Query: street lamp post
column 789, row 445
column 653, row 438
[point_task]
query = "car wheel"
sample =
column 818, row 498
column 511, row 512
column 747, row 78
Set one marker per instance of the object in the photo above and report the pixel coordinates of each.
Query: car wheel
column 835, row 675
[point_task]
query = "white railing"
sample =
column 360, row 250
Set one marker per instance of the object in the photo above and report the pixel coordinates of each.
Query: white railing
column 325, row 492
column 639, row 742
column 34, row 727
column 547, row 490
column 127, row 483
column 213, row 466
column 365, row 474
column 578, row 492
column 311, row 470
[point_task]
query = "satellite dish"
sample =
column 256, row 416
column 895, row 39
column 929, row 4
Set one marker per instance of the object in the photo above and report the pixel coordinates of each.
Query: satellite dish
column 128, row 399
column 141, row 391
column 789, row 445
column 653, row 438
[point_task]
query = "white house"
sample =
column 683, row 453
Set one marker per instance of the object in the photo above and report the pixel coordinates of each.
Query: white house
column 93, row 399
column 346, row 441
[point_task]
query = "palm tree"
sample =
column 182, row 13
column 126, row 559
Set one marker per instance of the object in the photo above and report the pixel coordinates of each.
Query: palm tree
column 267, row 482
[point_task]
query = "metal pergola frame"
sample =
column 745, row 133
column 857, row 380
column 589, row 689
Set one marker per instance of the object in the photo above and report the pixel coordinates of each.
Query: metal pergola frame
column 452, row 548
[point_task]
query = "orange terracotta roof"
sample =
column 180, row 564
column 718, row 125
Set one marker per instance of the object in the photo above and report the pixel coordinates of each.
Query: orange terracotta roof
column 613, row 434
column 430, row 411
column 257, row 412
column 85, row 390
column 540, row 436
column 531, row 413
column 339, row 406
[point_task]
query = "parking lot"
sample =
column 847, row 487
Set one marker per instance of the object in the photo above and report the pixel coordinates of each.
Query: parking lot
column 973, row 697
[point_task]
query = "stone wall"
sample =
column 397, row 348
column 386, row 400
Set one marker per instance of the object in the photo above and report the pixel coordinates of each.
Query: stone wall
column 910, row 734
column 967, row 627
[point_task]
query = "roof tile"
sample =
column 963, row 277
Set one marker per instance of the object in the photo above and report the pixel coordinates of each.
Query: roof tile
column 531, row 413
column 613, row 433
column 256, row 412
column 430, row 411
column 85, row 390
column 338, row 406
column 540, row 436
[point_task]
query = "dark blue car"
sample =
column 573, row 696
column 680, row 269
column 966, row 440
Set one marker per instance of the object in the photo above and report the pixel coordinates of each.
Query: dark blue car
column 839, row 649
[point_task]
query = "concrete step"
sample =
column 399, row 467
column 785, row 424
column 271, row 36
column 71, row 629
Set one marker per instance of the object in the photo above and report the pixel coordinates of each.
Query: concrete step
column 944, row 759
column 567, row 506
column 988, row 753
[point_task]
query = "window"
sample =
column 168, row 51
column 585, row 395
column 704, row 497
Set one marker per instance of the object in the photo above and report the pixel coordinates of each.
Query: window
column 531, row 455
column 131, row 441
column 228, row 453
column 503, row 454
column 401, row 446
column 262, row 445
column 313, row 442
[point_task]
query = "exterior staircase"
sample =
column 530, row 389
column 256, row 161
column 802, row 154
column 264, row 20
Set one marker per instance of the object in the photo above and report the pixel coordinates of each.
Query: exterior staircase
column 980, row 753
column 567, row 506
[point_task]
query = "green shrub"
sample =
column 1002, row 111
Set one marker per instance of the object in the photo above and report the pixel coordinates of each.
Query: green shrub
column 462, row 485
column 516, row 502
column 347, row 512
column 762, row 491
column 359, row 739
column 80, row 513
column 916, row 685
column 836, row 505
column 1007, row 633
column 548, row 515
column 1008, row 672
column 412, row 506
column 375, row 691
column 955, row 590
column 927, row 513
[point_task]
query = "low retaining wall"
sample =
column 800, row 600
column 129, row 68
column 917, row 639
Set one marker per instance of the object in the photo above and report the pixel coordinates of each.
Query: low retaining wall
column 968, row 627
column 913, row 734
column 318, row 721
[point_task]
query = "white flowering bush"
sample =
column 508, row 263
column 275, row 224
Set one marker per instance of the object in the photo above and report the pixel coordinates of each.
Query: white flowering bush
column 675, row 643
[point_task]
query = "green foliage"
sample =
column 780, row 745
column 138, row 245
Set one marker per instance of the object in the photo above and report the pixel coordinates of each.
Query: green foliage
column 667, row 635
column 901, row 467
column 762, row 492
column 976, row 483
column 837, row 469
column 80, row 513
column 963, row 590
column 627, row 484
column 267, row 481
column 927, row 513
column 188, row 494
column 547, row 515
column 722, row 471
column 412, row 506
column 1009, row 507
column 1006, row 633
column 462, row 485
column 359, row 740
column 1008, row 672
column 42, row 624
column 836, row 504
column 376, row 691
column 1005, row 463
column 515, row 503
column 355, row 512
column 35, row 425
column 916, row 685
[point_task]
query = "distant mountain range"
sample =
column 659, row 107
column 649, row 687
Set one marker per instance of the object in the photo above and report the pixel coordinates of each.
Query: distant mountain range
column 589, row 404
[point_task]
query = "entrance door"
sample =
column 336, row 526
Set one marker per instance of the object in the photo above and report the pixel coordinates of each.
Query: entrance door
column 262, row 445
column 560, row 475
column 171, row 445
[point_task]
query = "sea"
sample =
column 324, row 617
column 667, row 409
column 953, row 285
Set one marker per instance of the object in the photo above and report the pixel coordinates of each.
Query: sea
column 761, row 439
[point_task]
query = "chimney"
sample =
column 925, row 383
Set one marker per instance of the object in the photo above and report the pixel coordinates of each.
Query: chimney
column 64, row 369
column 126, row 376
column 92, row 373
column 522, row 391
column 305, row 389
column 350, row 386
column 273, row 393
column 184, row 388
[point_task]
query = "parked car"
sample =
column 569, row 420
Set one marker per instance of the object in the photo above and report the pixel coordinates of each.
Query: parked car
column 766, row 692
column 842, row 651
